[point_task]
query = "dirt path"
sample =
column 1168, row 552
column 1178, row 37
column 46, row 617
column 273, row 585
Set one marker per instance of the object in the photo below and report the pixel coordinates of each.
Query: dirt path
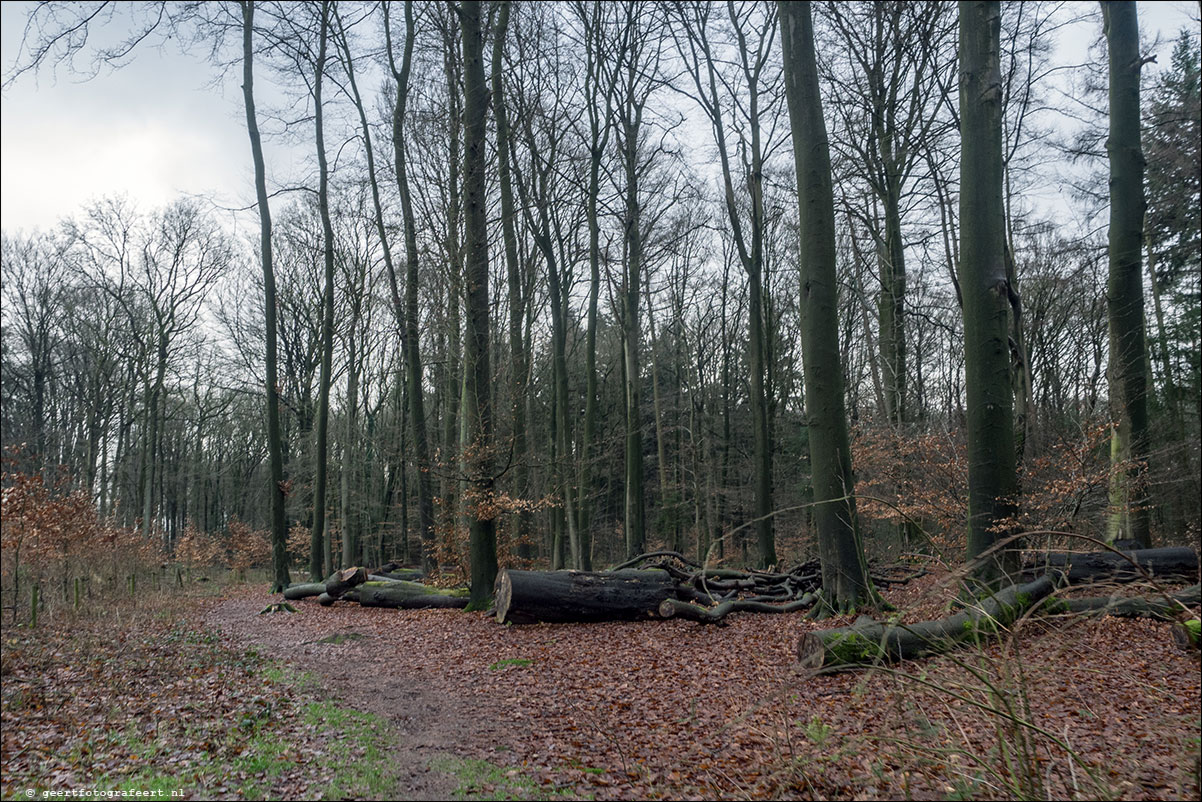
column 358, row 673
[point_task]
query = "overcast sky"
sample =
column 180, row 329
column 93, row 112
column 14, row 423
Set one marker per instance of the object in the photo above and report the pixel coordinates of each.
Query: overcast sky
column 159, row 127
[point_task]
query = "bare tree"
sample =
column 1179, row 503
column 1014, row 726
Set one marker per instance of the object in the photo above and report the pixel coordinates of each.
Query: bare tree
column 845, row 581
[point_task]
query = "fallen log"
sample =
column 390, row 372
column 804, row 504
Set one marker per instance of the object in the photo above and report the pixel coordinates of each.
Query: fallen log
column 1164, row 608
column 303, row 590
column 342, row 581
column 407, row 595
column 524, row 597
column 869, row 642
column 1186, row 635
column 670, row 608
column 1079, row 567
column 401, row 574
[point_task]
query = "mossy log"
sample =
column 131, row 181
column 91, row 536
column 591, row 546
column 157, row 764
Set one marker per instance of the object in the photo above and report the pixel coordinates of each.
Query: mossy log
column 868, row 642
column 407, row 595
column 1163, row 607
column 670, row 608
column 1079, row 567
column 1186, row 634
column 524, row 597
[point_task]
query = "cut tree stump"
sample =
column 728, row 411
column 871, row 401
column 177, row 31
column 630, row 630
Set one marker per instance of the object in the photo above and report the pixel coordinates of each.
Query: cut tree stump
column 524, row 597
column 1079, row 567
column 342, row 581
column 868, row 642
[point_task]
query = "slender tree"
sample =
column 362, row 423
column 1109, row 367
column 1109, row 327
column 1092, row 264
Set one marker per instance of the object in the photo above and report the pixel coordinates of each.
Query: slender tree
column 321, row 434
column 518, row 357
column 600, row 82
column 408, row 313
column 1128, row 371
column 477, row 415
column 278, row 489
column 754, row 35
column 845, row 581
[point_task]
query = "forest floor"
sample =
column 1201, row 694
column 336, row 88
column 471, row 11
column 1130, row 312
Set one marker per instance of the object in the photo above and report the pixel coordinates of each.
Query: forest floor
column 204, row 697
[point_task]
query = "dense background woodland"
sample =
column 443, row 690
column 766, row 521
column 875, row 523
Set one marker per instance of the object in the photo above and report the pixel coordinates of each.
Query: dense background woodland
column 536, row 294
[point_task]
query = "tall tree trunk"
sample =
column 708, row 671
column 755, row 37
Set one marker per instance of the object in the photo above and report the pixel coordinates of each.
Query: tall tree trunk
column 992, row 477
column 477, row 418
column 891, row 305
column 350, row 533
column 1128, row 372
column 321, row 449
column 518, row 358
column 599, row 133
column 634, row 517
column 762, row 444
column 278, row 490
column 844, row 574
column 408, row 314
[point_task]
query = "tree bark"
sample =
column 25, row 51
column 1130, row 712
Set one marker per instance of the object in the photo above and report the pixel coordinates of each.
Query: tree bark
column 477, row 418
column 845, row 579
column 518, row 358
column 670, row 608
column 1128, row 369
column 562, row 596
column 321, row 466
column 344, row 580
column 408, row 314
column 992, row 476
column 1163, row 608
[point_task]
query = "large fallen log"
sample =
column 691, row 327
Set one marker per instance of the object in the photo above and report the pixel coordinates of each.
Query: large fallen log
column 407, row 595
column 1080, row 567
column 524, row 597
column 869, row 642
column 1164, row 608
column 303, row 590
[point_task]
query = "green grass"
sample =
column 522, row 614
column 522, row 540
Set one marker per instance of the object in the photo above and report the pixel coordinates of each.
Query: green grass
column 253, row 754
column 520, row 662
column 369, row 773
